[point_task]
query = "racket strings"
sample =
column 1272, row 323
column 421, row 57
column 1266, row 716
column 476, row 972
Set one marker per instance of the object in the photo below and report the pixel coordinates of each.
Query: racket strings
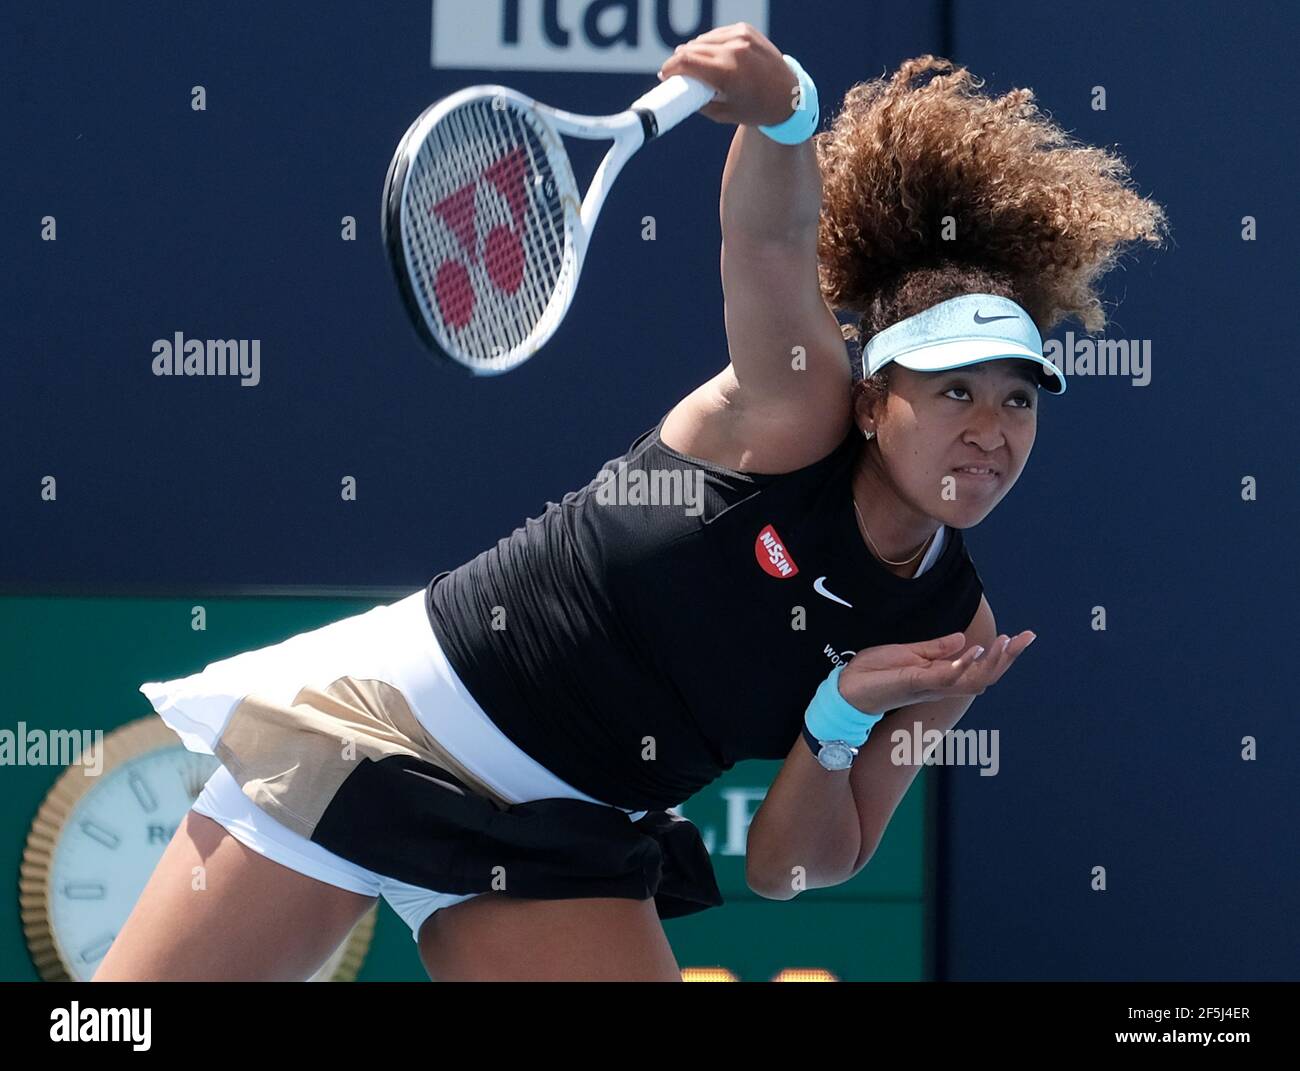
column 485, row 230
column 506, row 252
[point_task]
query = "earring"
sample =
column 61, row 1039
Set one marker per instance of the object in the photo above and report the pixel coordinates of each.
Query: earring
column 868, row 435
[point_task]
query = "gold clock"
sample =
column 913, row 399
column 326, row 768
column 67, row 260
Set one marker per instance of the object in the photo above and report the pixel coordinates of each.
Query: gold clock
column 96, row 840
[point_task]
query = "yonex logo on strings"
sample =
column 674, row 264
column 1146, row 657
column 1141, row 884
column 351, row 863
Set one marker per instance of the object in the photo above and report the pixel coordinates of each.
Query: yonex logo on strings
column 503, row 250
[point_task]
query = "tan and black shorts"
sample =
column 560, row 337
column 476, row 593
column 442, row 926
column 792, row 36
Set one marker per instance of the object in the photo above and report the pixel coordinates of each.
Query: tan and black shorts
column 354, row 754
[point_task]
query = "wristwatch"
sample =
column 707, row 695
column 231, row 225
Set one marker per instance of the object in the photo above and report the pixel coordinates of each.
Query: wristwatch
column 832, row 754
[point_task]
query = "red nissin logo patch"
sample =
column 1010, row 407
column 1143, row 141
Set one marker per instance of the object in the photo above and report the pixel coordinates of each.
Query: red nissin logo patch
column 772, row 555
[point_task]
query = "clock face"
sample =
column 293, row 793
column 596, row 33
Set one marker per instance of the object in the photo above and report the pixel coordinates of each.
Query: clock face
column 110, row 843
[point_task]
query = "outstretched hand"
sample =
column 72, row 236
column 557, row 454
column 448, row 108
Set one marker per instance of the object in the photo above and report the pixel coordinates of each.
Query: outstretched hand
column 879, row 679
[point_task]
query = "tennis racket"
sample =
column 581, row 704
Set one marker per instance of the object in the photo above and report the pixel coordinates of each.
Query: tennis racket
column 482, row 218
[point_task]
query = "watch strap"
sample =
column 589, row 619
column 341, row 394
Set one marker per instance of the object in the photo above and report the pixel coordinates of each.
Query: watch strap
column 814, row 745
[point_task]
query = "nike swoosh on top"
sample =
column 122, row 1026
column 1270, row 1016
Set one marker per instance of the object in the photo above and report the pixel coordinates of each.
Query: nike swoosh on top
column 819, row 586
column 989, row 319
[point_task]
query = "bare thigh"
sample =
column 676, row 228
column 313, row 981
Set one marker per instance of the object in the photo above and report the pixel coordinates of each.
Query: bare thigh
column 494, row 938
column 255, row 920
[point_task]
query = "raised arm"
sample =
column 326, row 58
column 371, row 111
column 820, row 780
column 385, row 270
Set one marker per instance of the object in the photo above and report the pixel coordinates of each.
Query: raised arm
column 783, row 400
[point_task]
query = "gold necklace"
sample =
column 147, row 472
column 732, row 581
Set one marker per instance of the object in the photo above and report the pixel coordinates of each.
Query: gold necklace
column 877, row 553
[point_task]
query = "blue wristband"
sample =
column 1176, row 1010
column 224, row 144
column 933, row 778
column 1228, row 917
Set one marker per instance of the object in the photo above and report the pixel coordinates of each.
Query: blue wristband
column 803, row 123
column 832, row 717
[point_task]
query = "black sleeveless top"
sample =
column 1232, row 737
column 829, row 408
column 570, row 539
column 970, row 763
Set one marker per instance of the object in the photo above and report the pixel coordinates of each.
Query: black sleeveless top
column 638, row 639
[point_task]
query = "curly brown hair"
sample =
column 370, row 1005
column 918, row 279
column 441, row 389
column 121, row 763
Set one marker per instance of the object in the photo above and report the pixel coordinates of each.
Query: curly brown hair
column 932, row 190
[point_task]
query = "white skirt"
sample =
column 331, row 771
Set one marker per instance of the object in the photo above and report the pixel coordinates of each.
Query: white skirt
column 274, row 717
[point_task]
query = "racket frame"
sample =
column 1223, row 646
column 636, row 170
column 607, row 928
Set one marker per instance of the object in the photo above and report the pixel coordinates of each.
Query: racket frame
column 650, row 115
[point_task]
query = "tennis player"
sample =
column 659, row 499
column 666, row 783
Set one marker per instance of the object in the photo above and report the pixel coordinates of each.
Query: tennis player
column 497, row 754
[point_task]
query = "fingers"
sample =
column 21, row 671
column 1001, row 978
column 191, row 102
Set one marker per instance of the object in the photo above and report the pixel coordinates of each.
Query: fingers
column 692, row 55
column 943, row 647
column 971, row 674
column 718, row 33
column 969, row 657
column 699, row 64
column 730, row 32
column 712, row 44
column 939, row 678
column 988, row 669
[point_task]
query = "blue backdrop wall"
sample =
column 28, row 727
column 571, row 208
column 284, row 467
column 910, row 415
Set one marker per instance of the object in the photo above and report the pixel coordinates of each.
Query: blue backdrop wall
column 1121, row 748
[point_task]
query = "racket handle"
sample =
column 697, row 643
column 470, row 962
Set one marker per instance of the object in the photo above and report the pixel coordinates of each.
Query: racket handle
column 673, row 99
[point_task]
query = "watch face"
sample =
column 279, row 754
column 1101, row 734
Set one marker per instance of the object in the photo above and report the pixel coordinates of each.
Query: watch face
column 835, row 756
